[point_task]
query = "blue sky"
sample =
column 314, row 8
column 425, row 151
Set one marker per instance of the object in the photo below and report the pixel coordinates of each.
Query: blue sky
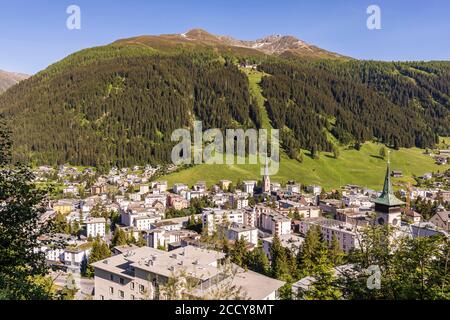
column 33, row 33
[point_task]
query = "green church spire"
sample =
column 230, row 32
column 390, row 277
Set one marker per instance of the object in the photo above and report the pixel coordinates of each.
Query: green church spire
column 387, row 197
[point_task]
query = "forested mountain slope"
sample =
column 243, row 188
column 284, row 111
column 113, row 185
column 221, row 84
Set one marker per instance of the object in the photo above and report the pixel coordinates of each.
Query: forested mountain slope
column 118, row 104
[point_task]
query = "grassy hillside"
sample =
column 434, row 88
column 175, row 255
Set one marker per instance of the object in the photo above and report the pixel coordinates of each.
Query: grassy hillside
column 117, row 105
column 362, row 167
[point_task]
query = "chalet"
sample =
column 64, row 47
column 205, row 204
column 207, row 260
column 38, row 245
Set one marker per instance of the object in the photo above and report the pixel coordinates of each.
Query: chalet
column 441, row 219
column 396, row 174
column 440, row 160
column 98, row 189
column 411, row 215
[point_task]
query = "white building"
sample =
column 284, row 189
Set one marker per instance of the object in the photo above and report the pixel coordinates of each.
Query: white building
column 236, row 231
column 293, row 188
column 239, row 202
column 143, row 189
column 75, row 257
column 144, row 223
column 163, row 238
column 347, row 234
column 178, row 187
column 213, row 217
column 316, row 190
column 139, row 274
column 275, row 223
column 292, row 242
column 249, row 186
column 95, row 227
column 133, row 212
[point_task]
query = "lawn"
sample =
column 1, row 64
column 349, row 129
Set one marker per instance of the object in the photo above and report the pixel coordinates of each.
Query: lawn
column 364, row 167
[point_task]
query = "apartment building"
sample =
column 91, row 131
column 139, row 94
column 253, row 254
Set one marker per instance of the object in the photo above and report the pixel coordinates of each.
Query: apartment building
column 236, row 231
column 346, row 233
column 95, row 227
column 292, row 242
column 213, row 217
column 276, row 223
column 140, row 274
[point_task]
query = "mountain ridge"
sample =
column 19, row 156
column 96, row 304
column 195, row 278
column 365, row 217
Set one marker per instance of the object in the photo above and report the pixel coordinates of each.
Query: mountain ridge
column 117, row 104
column 9, row 79
column 270, row 45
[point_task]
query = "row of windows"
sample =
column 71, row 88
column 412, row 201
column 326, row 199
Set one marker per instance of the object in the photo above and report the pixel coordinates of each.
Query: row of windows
column 121, row 293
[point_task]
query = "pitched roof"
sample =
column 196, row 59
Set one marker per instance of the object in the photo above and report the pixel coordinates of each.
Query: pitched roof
column 387, row 197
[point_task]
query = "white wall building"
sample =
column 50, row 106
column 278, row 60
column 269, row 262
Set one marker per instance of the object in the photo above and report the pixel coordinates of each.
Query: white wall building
column 138, row 274
column 95, row 227
column 238, row 231
column 346, row 234
column 275, row 223
column 213, row 217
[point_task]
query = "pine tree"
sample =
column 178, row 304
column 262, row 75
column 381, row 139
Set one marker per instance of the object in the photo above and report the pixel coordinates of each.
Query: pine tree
column 99, row 251
column 258, row 261
column 324, row 285
column 383, row 152
column 335, row 253
column 22, row 203
column 119, row 238
column 141, row 241
column 279, row 261
column 239, row 252
column 308, row 255
column 336, row 152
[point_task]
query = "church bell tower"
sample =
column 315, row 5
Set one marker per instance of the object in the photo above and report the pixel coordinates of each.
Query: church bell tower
column 388, row 206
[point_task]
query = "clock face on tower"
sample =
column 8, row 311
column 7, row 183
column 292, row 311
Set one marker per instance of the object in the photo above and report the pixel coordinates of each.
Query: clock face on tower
column 395, row 222
column 380, row 221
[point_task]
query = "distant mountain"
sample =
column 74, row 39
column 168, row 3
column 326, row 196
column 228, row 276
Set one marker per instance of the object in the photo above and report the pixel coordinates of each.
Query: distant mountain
column 272, row 45
column 8, row 79
column 118, row 104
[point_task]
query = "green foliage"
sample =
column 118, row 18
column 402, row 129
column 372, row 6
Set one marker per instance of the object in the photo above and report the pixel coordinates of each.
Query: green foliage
column 307, row 257
column 22, row 204
column 280, row 261
column 366, row 100
column 141, row 241
column 100, row 251
column 119, row 238
column 118, row 107
column 60, row 224
column 335, row 253
column 324, row 285
column 239, row 252
column 99, row 211
column 410, row 268
column 194, row 224
column 383, row 152
column 336, row 152
column 257, row 261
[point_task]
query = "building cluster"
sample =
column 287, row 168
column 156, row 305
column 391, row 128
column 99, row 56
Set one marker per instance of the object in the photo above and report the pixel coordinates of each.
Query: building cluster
column 253, row 211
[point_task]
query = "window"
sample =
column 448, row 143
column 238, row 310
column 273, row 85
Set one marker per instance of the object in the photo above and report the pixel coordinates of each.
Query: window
column 121, row 281
column 141, row 288
column 121, row 294
column 102, row 298
column 111, row 276
column 111, row 290
column 132, row 297
column 132, row 285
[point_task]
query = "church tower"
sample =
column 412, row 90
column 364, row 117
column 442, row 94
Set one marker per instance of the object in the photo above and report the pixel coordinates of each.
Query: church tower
column 266, row 179
column 388, row 206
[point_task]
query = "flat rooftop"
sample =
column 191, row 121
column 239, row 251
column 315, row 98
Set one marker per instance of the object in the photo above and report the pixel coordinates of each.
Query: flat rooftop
column 194, row 261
